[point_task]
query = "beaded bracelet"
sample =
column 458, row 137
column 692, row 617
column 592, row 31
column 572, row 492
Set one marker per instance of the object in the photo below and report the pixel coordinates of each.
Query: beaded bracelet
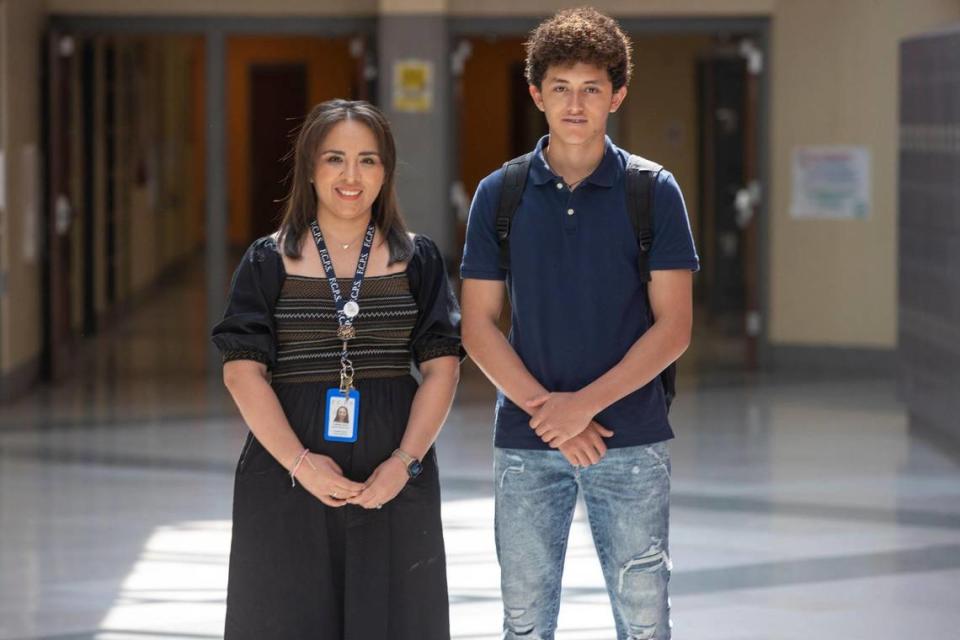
column 296, row 465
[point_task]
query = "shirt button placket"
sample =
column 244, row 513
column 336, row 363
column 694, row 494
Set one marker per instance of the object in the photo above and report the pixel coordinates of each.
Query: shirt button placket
column 569, row 211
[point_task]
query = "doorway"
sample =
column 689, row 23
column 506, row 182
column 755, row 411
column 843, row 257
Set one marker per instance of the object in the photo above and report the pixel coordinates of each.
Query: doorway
column 728, row 296
column 272, row 81
column 278, row 97
column 59, row 96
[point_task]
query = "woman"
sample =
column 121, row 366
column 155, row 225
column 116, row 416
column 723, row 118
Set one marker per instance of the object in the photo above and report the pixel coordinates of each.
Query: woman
column 336, row 526
column 342, row 416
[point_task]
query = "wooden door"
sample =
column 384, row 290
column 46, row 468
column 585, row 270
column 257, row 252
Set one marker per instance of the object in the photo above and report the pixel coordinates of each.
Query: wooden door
column 278, row 100
column 729, row 196
column 332, row 71
column 60, row 208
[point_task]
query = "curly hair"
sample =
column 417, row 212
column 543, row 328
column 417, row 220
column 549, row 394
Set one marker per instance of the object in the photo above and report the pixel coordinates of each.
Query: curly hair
column 579, row 35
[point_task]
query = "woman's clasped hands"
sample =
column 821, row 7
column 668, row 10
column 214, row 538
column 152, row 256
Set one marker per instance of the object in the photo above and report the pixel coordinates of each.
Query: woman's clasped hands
column 324, row 479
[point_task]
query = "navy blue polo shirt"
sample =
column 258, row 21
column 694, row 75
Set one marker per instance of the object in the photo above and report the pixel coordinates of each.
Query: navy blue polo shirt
column 575, row 288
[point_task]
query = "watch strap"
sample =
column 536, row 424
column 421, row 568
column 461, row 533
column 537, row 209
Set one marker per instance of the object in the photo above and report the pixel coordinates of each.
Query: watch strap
column 405, row 457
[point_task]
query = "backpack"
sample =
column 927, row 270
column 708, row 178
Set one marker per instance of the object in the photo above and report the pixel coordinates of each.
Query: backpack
column 640, row 178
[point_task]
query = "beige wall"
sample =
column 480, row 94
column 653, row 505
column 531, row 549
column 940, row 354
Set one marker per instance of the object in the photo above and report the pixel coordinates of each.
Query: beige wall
column 834, row 81
column 663, row 126
column 20, row 322
column 364, row 7
column 212, row 7
column 660, row 8
column 371, row 7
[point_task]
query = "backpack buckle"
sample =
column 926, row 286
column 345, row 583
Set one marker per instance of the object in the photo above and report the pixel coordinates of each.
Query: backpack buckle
column 645, row 239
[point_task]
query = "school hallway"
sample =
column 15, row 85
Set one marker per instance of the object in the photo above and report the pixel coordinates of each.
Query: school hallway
column 803, row 506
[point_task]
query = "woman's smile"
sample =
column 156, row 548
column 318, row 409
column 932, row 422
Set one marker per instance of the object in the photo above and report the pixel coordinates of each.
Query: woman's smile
column 349, row 195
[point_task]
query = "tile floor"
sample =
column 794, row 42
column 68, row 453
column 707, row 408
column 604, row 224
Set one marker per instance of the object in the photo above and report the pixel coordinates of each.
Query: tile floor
column 803, row 506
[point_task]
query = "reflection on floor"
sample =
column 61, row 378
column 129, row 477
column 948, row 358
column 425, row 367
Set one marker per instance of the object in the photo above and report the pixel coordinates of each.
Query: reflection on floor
column 802, row 507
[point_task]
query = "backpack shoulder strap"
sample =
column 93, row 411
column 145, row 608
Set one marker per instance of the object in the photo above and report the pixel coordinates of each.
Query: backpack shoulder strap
column 641, row 177
column 514, row 180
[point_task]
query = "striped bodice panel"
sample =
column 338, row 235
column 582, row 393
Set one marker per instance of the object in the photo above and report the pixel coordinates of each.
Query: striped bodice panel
column 308, row 349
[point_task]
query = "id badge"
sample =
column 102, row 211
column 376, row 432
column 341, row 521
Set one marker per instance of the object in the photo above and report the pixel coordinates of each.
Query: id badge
column 342, row 416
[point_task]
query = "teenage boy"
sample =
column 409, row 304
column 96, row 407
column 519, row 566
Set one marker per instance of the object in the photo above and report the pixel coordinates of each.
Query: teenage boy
column 581, row 407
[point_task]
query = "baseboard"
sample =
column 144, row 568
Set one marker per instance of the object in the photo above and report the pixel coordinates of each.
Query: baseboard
column 173, row 272
column 944, row 437
column 25, row 377
column 847, row 360
column 19, row 380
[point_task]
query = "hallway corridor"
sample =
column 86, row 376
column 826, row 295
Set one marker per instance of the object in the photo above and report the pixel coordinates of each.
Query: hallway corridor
column 802, row 506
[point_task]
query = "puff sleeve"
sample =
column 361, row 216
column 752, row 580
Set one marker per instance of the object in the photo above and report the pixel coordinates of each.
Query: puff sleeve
column 247, row 330
column 437, row 330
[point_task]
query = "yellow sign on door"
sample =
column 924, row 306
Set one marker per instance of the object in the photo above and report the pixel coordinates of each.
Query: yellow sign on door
column 413, row 86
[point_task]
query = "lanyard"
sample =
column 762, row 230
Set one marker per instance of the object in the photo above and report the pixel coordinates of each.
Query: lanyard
column 346, row 311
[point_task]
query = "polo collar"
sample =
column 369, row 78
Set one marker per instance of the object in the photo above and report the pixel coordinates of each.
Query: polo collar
column 603, row 176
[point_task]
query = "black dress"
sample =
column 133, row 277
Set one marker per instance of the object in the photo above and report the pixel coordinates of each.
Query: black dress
column 301, row 570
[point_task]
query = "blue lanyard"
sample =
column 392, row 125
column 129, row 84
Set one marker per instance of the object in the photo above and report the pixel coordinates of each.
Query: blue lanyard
column 348, row 310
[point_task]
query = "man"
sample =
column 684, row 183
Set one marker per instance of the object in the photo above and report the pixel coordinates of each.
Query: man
column 581, row 407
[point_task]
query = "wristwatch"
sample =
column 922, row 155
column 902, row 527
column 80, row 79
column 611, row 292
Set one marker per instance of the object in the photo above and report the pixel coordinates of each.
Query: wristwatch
column 414, row 468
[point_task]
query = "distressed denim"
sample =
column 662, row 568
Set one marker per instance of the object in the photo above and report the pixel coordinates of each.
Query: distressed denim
column 627, row 495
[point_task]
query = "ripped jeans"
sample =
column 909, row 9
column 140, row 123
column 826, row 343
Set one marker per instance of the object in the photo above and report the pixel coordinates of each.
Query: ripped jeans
column 627, row 495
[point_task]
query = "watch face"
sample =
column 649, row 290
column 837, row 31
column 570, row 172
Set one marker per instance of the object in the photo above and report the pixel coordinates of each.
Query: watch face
column 414, row 469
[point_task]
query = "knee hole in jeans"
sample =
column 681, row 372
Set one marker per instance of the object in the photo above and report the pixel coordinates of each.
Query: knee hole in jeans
column 516, row 624
column 651, row 561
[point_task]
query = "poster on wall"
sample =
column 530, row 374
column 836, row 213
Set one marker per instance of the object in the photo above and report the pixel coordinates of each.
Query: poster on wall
column 413, row 86
column 831, row 182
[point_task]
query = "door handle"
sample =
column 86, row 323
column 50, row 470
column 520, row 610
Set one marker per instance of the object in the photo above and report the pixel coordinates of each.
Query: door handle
column 62, row 215
column 745, row 202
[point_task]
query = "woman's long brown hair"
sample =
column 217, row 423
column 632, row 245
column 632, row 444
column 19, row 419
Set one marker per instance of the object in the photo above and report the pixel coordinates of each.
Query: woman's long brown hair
column 301, row 201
